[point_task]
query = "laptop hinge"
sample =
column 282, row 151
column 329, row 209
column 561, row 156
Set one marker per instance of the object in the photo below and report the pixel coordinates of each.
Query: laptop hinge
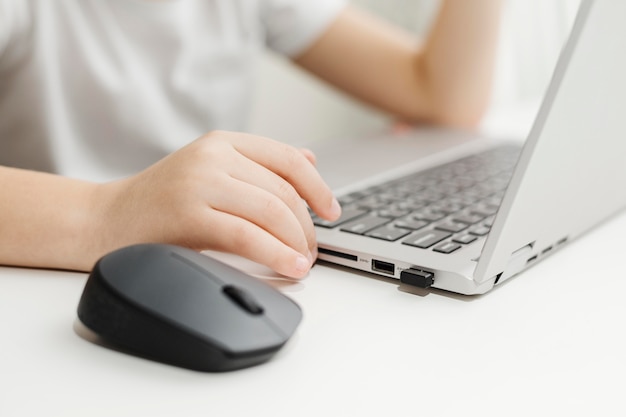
column 516, row 263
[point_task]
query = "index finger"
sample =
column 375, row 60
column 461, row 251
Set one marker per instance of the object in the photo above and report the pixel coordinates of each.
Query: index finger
column 294, row 167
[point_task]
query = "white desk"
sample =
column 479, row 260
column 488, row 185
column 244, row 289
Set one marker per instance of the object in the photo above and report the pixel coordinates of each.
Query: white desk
column 549, row 342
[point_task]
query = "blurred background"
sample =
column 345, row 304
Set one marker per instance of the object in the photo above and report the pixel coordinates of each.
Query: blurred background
column 294, row 107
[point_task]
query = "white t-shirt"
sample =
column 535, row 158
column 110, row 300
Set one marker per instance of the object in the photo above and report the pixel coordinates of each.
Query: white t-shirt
column 100, row 89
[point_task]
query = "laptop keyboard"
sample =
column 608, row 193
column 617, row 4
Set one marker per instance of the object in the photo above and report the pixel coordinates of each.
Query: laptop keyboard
column 441, row 209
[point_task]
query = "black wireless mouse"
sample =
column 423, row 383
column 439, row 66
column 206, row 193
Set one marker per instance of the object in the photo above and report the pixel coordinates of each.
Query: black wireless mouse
column 184, row 308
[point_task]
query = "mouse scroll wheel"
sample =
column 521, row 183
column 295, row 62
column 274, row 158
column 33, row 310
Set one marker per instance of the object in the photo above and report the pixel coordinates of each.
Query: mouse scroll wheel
column 243, row 299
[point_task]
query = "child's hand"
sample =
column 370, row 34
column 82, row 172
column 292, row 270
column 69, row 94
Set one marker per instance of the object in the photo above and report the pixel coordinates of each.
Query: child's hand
column 225, row 191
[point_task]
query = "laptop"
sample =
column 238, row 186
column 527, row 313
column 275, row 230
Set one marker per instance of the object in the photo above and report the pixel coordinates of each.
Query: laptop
column 454, row 211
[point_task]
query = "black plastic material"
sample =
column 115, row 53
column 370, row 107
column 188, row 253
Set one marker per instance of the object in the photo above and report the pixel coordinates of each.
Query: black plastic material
column 243, row 299
column 417, row 278
column 168, row 303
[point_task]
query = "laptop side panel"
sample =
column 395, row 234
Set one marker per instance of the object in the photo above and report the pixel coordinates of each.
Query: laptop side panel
column 572, row 172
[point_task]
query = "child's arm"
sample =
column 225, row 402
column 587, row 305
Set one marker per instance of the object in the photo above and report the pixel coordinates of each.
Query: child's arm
column 225, row 191
column 445, row 79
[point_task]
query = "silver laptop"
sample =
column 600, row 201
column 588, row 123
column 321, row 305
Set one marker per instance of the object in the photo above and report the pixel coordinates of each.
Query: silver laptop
column 447, row 210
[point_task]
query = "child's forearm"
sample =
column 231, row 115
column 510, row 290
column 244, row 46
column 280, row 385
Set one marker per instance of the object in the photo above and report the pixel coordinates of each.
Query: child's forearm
column 458, row 57
column 47, row 220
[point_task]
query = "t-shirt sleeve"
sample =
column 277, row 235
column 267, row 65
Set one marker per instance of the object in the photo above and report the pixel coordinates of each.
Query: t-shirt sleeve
column 293, row 25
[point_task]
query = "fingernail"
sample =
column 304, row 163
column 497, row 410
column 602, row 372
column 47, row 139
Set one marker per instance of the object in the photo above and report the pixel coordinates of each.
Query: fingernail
column 302, row 264
column 335, row 208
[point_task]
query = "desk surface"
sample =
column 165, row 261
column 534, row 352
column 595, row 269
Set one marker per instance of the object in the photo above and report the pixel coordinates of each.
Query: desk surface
column 548, row 342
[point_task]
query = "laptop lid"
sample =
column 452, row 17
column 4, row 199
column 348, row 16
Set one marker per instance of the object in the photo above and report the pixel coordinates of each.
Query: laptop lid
column 571, row 174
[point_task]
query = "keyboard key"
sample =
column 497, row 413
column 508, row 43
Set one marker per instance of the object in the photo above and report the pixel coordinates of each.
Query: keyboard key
column 390, row 197
column 346, row 215
column 480, row 230
column 464, row 239
column 489, row 222
column 453, row 227
column 468, row 218
column 446, row 247
column 348, row 199
column 408, row 204
column 427, row 215
column 483, row 209
column 429, row 196
column 426, row 239
column 392, row 213
column 371, row 203
column 388, row 232
column 409, row 223
column 363, row 224
column 446, row 207
column 464, row 198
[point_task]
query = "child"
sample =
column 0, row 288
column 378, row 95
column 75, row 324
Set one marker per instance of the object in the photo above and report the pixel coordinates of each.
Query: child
column 99, row 100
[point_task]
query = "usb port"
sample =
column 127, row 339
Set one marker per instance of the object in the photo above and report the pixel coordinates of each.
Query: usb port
column 384, row 267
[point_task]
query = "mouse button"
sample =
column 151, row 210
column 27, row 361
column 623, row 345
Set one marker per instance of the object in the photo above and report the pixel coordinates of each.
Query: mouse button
column 134, row 268
column 243, row 298
column 284, row 313
column 150, row 276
